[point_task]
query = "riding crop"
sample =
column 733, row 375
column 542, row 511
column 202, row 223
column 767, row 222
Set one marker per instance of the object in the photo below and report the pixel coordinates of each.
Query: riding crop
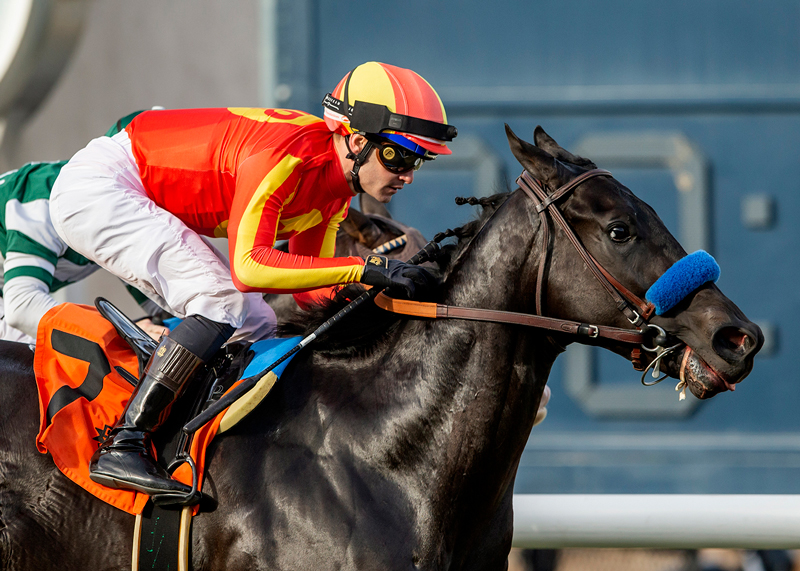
column 426, row 253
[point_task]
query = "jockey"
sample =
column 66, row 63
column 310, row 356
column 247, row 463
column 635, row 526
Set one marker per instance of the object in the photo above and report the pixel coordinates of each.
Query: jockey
column 137, row 204
column 36, row 261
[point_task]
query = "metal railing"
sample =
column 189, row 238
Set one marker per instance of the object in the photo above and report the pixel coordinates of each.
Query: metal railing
column 664, row 521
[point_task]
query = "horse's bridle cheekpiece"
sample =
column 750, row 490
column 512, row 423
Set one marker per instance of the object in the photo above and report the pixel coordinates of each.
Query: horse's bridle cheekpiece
column 685, row 276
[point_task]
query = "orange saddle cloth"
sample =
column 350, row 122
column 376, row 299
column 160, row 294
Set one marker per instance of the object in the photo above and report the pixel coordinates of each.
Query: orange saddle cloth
column 81, row 396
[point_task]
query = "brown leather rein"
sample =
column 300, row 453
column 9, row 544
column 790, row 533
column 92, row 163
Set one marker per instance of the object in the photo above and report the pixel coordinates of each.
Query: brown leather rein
column 441, row 311
column 636, row 310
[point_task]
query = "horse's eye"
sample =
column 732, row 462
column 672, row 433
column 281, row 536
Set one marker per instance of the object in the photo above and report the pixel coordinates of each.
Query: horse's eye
column 619, row 232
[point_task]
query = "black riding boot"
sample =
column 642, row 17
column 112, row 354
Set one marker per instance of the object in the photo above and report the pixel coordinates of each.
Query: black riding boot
column 124, row 459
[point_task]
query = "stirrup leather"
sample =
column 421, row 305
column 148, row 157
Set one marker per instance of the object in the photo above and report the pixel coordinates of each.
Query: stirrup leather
column 142, row 344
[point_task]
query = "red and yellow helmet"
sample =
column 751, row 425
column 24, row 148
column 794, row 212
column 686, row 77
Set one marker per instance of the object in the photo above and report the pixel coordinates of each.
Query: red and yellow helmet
column 393, row 102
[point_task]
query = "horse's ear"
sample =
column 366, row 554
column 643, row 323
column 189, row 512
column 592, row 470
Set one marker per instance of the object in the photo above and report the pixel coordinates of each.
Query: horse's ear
column 360, row 228
column 547, row 143
column 536, row 161
column 370, row 205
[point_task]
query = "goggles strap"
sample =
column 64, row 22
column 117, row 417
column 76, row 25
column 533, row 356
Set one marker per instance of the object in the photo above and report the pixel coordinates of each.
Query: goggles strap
column 358, row 160
column 375, row 118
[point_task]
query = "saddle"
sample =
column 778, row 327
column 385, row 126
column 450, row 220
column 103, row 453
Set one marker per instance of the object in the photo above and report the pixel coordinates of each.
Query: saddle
column 87, row 363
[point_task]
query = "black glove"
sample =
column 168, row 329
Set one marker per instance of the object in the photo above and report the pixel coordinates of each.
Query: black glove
column 401, row 279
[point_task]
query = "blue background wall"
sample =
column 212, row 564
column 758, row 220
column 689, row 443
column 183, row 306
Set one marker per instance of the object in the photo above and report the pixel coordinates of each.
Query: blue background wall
column 724, row 75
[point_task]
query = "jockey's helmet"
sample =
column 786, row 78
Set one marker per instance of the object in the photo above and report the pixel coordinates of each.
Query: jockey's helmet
column 377, row 99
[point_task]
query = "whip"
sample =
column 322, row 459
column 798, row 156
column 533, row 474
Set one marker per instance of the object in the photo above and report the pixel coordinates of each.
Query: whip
column 426, row 253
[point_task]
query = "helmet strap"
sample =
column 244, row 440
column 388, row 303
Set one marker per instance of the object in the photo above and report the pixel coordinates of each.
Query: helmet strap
column 358, row 160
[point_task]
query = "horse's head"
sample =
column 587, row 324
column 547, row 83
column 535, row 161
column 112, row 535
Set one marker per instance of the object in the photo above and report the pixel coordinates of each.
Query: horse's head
column 361, row 233
column 714, row 342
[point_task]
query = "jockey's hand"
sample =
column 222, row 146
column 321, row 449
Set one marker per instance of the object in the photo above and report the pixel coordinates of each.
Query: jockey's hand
column 153, row 330
column 542, row 412
column 403, row 280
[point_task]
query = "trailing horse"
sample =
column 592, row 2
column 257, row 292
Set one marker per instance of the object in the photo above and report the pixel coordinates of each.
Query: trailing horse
column 394, row 443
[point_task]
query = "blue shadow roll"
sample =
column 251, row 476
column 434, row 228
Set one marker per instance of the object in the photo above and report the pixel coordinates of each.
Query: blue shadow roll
column 685, row 276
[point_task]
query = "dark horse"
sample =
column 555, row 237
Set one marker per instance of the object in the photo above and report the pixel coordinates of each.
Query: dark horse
column 394, row 443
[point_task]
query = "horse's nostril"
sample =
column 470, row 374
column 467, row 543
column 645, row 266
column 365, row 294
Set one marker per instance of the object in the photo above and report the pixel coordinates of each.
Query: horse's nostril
column 733, row 343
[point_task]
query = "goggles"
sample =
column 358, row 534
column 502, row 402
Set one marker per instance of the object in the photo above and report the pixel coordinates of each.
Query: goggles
column 395, row 158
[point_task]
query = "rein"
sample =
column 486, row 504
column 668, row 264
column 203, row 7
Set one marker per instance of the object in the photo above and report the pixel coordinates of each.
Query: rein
column 391, row 245
column 441, row 311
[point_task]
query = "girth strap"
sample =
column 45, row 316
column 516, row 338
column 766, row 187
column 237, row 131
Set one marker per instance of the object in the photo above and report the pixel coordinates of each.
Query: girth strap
column 441, row 311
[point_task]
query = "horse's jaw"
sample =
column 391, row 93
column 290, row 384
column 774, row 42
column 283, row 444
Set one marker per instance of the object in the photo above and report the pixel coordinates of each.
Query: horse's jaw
column 704, row 374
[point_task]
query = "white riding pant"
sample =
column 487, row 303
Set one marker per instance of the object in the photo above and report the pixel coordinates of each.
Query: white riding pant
column 9, row 333
column 100, row 208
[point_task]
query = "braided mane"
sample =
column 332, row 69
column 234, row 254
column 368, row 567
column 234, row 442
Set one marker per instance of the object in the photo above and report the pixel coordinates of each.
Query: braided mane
column 368, row 324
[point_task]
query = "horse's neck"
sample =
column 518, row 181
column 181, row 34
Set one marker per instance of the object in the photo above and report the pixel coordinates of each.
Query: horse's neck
column 495, row 270
column 481, row 382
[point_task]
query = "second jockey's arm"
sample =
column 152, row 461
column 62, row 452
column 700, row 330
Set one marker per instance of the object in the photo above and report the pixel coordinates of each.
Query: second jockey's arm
column 33, row 250
column 26, row 299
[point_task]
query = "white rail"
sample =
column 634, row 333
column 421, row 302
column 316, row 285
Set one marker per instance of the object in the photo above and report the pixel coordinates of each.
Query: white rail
column 657, row 521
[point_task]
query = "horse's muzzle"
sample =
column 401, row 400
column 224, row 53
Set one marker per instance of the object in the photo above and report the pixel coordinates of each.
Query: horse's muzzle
column 736, row 347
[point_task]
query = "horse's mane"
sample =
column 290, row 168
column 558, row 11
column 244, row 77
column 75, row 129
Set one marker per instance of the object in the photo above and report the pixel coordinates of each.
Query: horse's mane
column 450, row 253
column 368, row 325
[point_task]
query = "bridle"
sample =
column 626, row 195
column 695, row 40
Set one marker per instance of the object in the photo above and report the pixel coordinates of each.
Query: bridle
column 636, row 310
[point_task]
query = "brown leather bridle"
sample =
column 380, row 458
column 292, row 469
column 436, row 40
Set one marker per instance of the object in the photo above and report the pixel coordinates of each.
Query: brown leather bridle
column 635, row 309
